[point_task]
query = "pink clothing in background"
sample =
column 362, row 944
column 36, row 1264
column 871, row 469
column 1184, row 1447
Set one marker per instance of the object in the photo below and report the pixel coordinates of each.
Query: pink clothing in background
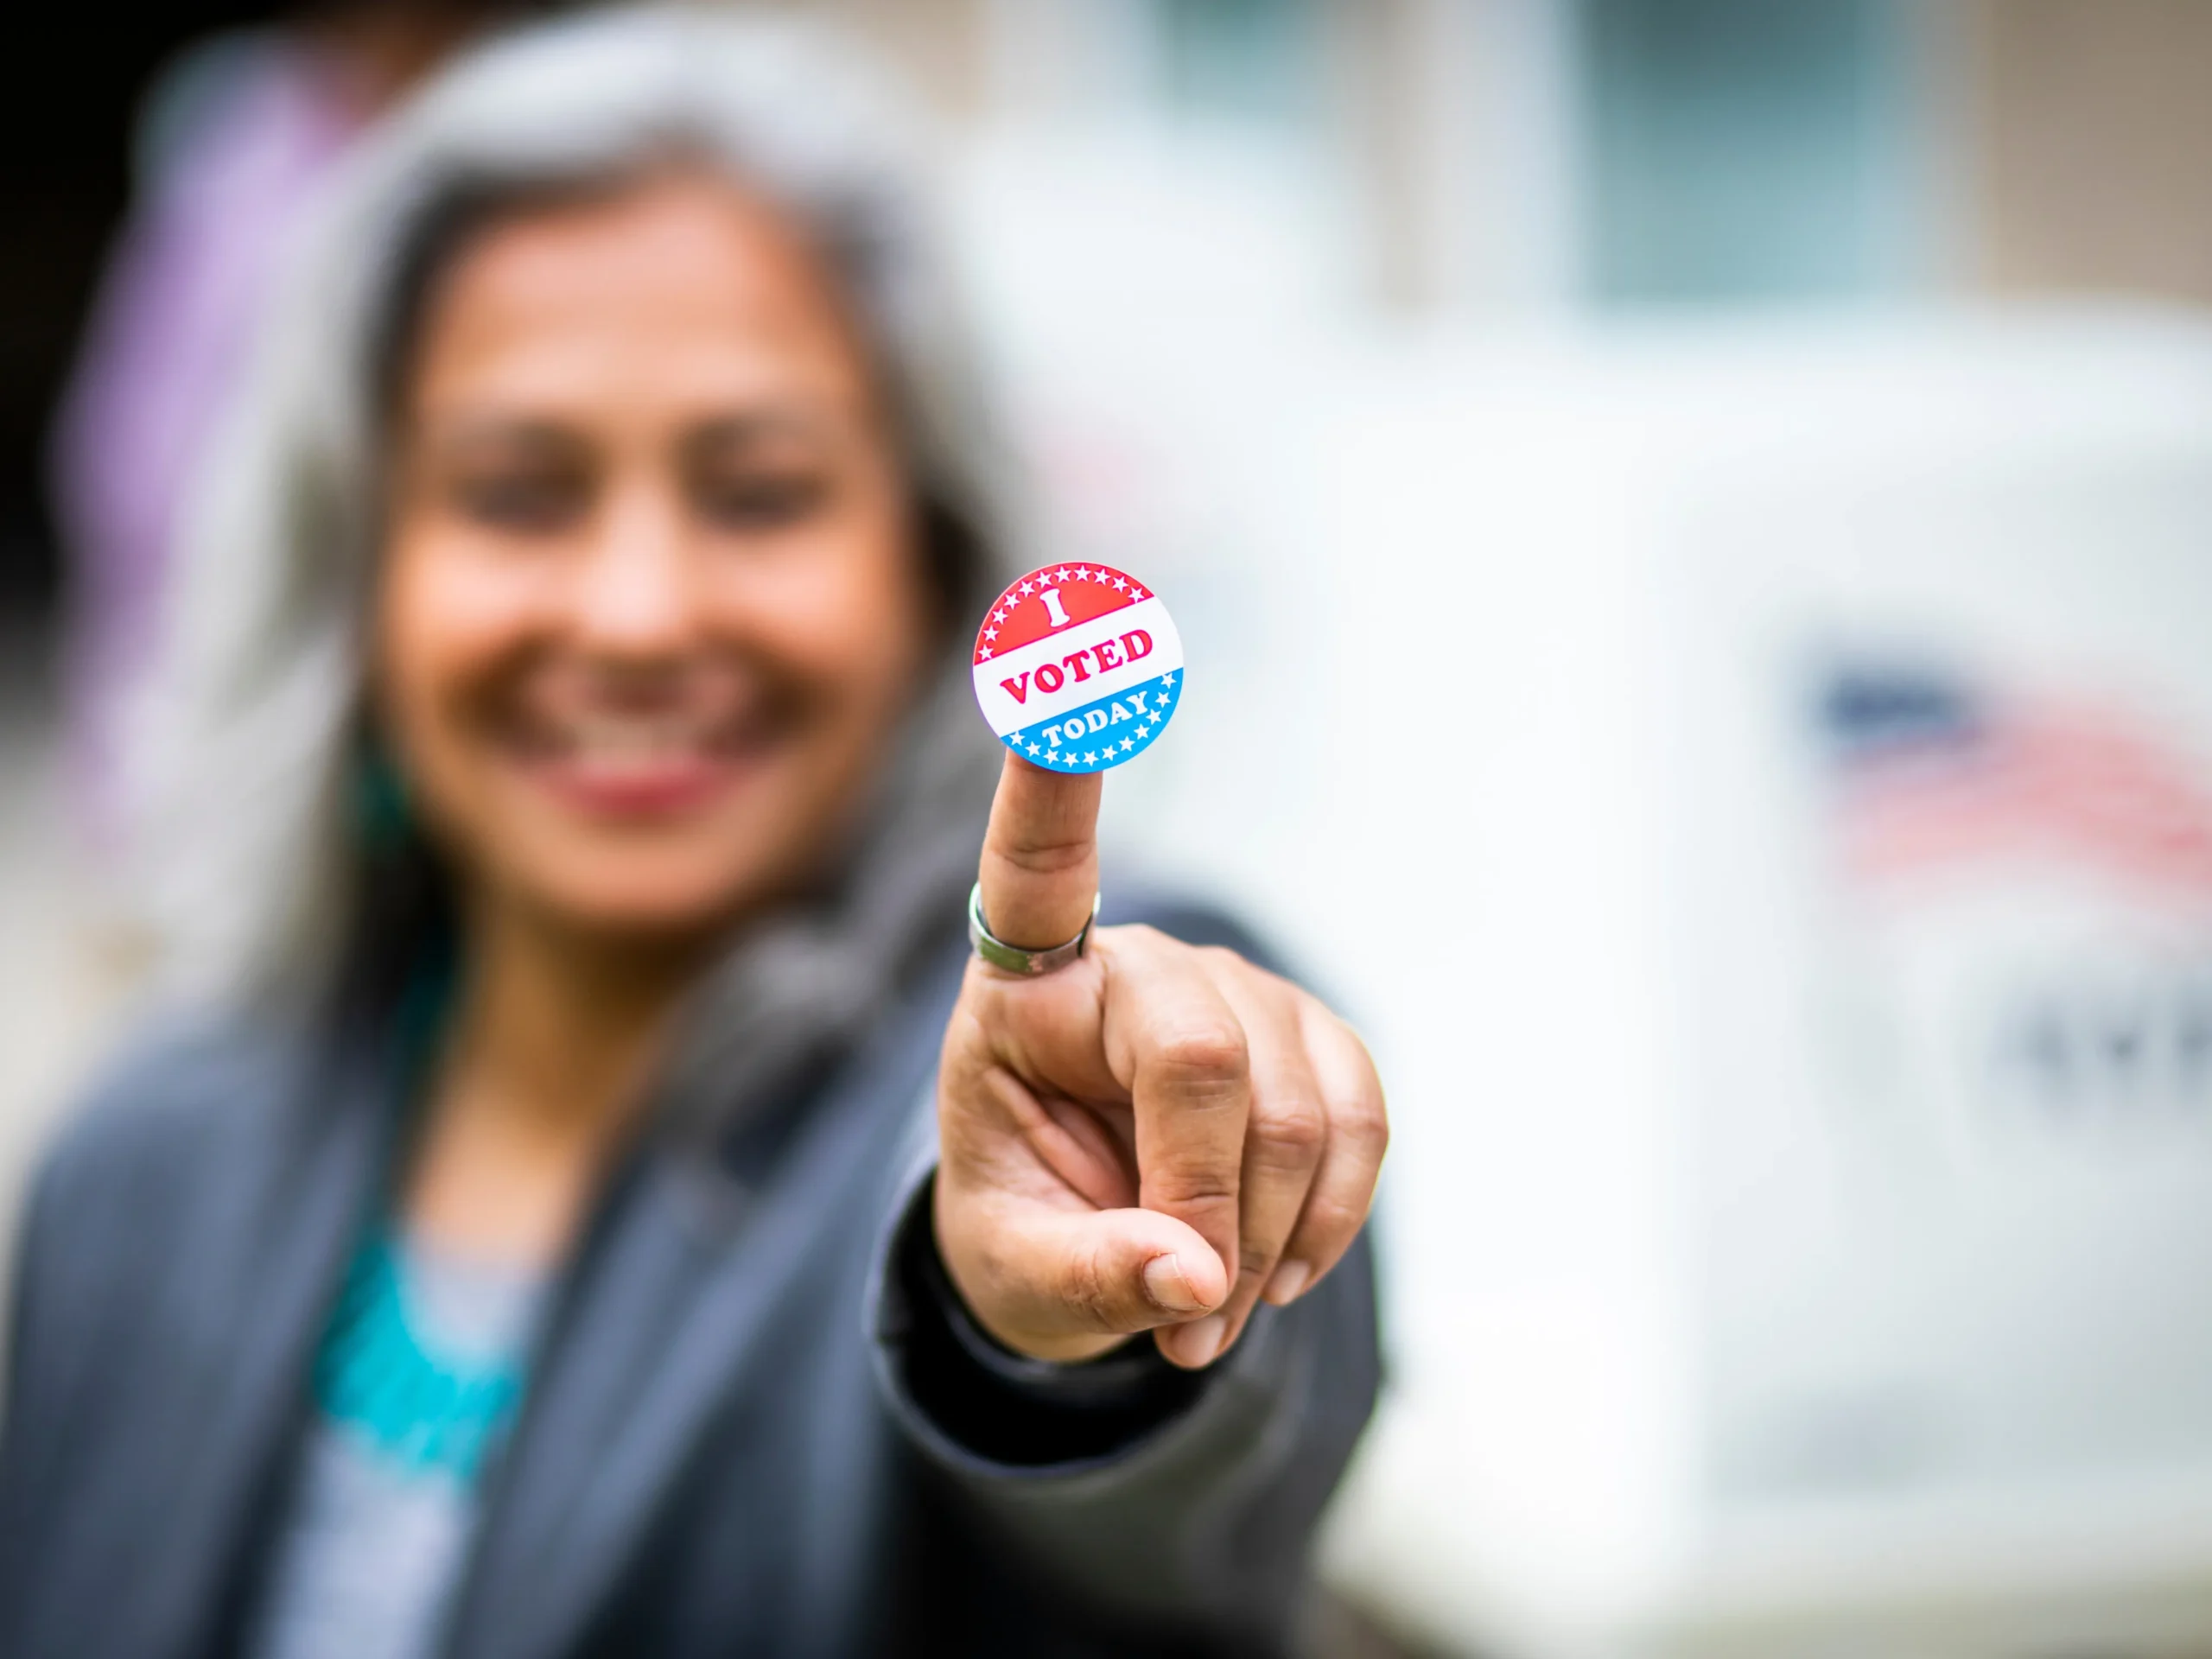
column 236, row 141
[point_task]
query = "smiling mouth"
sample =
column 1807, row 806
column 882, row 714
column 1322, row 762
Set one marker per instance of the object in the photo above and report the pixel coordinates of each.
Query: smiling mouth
column 646, row 765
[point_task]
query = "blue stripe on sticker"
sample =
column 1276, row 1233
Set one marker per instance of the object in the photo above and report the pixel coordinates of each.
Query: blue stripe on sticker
column 1102, row 733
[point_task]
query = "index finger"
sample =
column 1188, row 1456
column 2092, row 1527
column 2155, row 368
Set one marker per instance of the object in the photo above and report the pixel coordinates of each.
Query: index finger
column 1040, row 854
column 1175, row 1043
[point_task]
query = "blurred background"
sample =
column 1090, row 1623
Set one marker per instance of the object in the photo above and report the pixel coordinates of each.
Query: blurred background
column 1692, row 523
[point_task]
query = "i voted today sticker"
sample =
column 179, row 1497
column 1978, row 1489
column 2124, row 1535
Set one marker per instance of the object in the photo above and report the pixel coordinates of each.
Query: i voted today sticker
column 1079, row 668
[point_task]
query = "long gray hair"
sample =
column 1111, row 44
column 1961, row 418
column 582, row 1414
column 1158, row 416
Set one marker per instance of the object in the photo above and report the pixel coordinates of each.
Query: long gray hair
column 254, row 872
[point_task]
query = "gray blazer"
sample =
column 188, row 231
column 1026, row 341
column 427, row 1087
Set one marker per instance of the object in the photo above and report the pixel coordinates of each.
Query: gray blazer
column 758, row 1421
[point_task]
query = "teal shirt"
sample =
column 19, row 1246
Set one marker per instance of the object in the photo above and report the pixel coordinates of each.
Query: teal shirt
column 420, row 1372
column 421, row 1375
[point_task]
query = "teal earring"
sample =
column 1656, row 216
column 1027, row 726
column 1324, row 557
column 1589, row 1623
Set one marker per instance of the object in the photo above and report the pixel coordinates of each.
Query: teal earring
column 400, row 868
column 380, row 808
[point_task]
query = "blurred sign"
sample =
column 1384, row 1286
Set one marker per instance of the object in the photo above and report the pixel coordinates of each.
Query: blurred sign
column 1949, row 1001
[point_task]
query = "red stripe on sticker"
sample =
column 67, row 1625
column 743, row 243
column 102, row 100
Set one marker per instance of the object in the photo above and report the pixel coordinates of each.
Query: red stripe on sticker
column 1049, row 601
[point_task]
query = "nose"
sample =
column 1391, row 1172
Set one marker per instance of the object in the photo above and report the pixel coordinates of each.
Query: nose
column 638, row 595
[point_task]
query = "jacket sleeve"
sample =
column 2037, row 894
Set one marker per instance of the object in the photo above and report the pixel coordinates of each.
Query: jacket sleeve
column 1181, row 1500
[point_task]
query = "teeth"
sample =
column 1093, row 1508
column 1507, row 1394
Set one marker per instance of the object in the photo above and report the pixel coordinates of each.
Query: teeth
column 633, row 742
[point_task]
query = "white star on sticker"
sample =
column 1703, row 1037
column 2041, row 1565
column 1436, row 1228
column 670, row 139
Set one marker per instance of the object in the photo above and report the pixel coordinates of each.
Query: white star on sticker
column 1136, row 593
column 1082, row 575
column 1090, row 756
column 1053, row 755
column 990, row 633
column 1122, row 583
column 1168, row 679
column 984, row 654
column 1129, row 743
column 1033, row 748
column 998, row 616
column 1062, row 573
column 1028, row 587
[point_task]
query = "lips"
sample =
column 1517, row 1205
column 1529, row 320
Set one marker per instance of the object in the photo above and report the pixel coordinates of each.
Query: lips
column 644, row 766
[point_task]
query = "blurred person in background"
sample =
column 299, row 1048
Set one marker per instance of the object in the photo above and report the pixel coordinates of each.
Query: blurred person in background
column 593, row 1202
column 237, row 145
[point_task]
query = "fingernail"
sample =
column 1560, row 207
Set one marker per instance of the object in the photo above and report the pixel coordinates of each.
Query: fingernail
column 1288, row 1284
column 1198, row 1342
column 1164, row 1283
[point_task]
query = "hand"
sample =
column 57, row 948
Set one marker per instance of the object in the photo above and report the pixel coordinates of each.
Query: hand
column 1151, row 1138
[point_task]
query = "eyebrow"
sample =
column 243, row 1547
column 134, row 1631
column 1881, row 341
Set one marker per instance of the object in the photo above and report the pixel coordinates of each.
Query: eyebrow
column 757, row 427
column 752, row 430
column 471, row 428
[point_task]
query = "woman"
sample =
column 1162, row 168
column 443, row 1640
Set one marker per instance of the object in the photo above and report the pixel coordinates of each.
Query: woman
column 604, row 1213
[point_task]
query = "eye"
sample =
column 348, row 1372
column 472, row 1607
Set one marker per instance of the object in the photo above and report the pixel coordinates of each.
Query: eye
column 528, row 500
column 760, row 500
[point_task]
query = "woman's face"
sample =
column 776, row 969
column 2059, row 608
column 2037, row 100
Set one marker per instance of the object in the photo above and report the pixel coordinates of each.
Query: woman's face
column 649, row 608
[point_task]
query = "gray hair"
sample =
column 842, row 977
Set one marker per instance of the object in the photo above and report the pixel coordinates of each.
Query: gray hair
column 252, row 863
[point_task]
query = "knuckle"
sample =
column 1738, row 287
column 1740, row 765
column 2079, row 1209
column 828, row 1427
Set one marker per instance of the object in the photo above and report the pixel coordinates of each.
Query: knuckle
column 1365, row 1123
column 1087, row 1292
column 1255, row 1269
column 1371, row 1131
column 1255, row 1262
column 1045, row 856
column 1189, row 1188
column 1294, row 1130
column 1214, row 1052
column 1337, row 1219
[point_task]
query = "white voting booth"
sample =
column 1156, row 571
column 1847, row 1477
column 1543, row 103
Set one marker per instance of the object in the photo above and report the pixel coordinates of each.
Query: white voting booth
column 1789, row 1251
column 1802, row 1226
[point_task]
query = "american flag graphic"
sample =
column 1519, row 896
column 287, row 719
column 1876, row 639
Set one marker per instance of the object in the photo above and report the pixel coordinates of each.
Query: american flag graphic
column 1933, row 771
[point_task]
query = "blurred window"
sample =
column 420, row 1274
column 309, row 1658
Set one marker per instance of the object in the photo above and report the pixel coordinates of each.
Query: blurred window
column 1746, row 149
column 1255, row 61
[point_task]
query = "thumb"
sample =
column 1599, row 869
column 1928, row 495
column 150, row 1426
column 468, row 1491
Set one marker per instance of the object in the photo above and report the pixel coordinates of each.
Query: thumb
column 1112, row 1272
column 1040, row 854
column 1063, row 1285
